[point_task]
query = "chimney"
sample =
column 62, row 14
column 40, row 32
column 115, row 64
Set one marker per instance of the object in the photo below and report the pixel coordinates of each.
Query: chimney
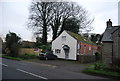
column 109, row 23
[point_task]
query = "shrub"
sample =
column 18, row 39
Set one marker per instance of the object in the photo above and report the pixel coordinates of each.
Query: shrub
column 113, row 68
column 12, row 44
column 46, row 47
column 99, row 66
column 28, row 56
column 98, row 56
column 101, row 72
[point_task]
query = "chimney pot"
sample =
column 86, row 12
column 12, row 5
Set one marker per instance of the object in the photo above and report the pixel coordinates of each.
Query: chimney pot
column 109, row 23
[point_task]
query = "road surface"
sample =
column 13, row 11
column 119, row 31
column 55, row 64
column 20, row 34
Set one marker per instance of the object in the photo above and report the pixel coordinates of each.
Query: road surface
column 28, row 70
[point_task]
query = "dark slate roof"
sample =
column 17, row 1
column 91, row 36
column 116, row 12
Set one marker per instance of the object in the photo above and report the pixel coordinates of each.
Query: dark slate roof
column 107, row 34
column 80, row 38
column 116, row 29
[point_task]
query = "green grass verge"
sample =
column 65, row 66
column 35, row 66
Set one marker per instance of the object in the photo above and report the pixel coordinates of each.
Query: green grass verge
column 101, row 72
column 21, row 57
column 28, row 56
column 13, row 58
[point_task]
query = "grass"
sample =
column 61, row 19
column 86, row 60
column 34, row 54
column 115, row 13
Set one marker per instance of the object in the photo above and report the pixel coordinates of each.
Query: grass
column 101, row 72
column 28, row 56
column 12, row 58
column 21, row 57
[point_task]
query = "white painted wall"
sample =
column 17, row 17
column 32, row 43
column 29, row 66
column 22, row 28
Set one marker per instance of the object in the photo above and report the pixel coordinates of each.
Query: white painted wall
column 119, row 13
column 70, row 41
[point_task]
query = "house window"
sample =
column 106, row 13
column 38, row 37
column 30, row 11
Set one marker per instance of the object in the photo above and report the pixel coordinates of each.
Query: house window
column 57, row 50
column 89, row 48
column 78, row 46
column 78, row 49
column 63, row 38
column 84, row 49
column 93, row 52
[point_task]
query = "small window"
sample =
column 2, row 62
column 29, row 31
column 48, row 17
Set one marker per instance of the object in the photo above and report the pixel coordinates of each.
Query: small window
column 78, row 46
column 84, row 49
column 57, row 50
column 89, row 48
column 63, row 38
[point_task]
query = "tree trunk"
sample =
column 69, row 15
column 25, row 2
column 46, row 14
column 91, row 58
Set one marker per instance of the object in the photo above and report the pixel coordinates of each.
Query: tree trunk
column 62, row 28
column 54, row 36
column 44, row 35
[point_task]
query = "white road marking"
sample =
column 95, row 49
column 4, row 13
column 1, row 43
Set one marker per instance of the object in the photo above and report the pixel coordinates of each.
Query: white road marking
column 31, row 74
column 3, row 64
column 44, row 64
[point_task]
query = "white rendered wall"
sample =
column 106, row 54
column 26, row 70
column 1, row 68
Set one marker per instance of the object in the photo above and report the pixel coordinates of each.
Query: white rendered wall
column 70, row 41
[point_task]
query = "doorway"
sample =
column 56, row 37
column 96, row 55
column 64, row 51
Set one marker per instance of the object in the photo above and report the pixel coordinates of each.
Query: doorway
column 66, row 49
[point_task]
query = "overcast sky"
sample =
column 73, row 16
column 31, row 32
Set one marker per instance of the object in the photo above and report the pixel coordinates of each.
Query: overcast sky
column 15, row 14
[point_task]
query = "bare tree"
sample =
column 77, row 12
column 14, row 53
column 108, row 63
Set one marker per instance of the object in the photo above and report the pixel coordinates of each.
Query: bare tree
column 64, row 11
column 40, row 16
column 55, row 15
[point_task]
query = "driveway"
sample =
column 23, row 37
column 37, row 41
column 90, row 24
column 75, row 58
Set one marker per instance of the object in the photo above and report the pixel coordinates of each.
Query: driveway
column 74, row 66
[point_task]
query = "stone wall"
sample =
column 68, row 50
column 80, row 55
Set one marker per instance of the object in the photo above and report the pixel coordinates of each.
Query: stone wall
column 116, row 46
column 86, row 58
column 119, row 43
column 107, row 53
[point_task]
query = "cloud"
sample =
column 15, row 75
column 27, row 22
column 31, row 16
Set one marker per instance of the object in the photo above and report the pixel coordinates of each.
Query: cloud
column 15, row 0
column 14, row 18
column 15, row 14
column 101, row 10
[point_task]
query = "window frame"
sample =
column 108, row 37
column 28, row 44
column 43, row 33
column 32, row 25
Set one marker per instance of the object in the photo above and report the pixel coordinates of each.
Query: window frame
column 63, row 38
column 57, row 51
column 85, row 49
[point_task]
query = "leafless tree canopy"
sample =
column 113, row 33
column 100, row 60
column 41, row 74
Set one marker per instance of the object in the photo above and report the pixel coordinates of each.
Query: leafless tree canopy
column 53, row 15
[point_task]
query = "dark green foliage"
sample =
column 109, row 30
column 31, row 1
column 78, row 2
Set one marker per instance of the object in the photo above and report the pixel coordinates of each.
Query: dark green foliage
column 38, row 42
column 96, row 38
column 99, row 66
column 98, row 56
column 104, row 70
column 40, row 45
column 113, row 68
column 93, row 38
column 46, row 47
column 12, row 44
column 27, row 56
column 11, row 38
column 101, row 72
column 72, row 25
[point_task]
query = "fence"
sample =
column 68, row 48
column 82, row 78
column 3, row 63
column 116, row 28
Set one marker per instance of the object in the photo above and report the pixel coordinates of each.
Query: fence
column 30, row 51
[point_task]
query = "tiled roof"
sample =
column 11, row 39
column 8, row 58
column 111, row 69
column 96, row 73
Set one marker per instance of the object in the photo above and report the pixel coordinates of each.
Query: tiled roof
column 80, row 38
column 107, row 34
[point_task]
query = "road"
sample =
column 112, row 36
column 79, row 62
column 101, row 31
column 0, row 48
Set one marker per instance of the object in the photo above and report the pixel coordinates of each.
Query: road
column 28, row 70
